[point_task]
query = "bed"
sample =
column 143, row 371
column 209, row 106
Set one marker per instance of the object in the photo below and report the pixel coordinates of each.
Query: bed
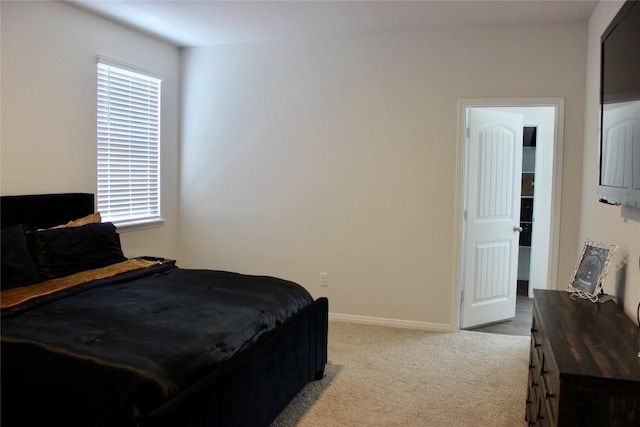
column 88, row 341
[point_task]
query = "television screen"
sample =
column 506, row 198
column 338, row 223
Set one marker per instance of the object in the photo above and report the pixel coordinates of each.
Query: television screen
column 620, row 109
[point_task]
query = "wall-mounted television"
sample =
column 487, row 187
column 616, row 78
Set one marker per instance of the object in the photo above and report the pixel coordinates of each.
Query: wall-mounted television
column 620, row 109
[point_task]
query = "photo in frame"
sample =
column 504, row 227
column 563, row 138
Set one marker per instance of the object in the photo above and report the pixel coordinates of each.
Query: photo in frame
column 591, row 269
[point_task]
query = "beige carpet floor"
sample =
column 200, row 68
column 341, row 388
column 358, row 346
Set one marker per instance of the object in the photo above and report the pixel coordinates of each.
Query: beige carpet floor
column 381, row 376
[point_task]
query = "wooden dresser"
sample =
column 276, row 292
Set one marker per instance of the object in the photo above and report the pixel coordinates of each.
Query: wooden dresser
column 584, row 368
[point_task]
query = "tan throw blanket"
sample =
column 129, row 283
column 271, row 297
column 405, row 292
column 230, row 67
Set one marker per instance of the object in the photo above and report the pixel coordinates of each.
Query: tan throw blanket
column 12, row 297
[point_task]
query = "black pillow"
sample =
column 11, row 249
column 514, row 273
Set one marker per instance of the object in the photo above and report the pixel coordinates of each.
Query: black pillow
column 17, row 266
column 63, row 251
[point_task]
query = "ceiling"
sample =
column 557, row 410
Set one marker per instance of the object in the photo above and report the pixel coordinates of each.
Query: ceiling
column 211, row 22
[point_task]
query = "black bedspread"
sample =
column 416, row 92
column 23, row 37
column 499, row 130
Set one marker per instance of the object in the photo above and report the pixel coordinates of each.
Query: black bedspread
column 122, row 347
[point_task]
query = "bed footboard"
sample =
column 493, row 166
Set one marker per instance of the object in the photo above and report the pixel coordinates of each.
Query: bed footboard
column 257, row 384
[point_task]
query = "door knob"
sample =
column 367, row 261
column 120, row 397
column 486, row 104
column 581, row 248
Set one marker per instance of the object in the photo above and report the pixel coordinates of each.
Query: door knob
column 517, row 229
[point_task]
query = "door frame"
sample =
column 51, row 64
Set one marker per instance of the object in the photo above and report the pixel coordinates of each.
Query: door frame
column 556, row 188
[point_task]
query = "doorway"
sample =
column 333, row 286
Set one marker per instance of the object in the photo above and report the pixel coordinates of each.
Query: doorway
column 477, row 306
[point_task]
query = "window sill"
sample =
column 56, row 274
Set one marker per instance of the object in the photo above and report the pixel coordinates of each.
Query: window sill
column 138, row 225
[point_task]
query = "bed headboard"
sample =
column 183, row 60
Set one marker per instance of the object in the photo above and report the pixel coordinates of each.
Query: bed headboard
column 44, row 210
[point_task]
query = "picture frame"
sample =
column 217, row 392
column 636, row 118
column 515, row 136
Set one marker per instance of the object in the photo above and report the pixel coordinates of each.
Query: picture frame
column 591, row 269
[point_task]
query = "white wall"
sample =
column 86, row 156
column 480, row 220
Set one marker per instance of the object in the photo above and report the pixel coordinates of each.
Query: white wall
column 48, row 99
column 333, row 155
column 614, row 224
column 338, row 155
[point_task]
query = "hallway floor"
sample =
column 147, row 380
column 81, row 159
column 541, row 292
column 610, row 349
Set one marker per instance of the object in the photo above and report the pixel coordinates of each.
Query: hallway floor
column 519, row 325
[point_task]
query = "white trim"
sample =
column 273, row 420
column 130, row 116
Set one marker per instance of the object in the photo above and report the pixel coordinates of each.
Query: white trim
column 100, row 59
column 556, row 197
column 139, row 225
column 458, row 218
column 394, row 323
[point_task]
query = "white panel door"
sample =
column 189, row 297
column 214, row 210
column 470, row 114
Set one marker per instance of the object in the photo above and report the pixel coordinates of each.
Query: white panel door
column 492, row 216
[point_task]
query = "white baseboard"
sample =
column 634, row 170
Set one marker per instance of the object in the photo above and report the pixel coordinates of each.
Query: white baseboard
column 395, row 323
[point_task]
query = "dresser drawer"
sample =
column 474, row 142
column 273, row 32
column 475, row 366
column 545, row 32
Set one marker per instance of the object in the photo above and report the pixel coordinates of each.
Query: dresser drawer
column 535, row 410
column 531, row 409
column 543, row 419
column 550, row 382
column 534, row 401
column 537, row 335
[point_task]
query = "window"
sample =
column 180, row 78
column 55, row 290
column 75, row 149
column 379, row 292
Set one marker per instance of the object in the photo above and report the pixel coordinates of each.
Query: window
column 128, row 145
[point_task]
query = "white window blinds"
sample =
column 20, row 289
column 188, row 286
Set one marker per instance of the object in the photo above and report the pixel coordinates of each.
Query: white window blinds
column 128, row 145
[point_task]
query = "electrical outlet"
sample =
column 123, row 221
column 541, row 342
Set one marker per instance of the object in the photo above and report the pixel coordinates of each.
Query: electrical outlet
column 324, row 279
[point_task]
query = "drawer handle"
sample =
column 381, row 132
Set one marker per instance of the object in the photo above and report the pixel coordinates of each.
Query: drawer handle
column 548, row 395
column 534, row 384
column 534, row 330
column 540, row 417
column 543, row 372
column 537, row 345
